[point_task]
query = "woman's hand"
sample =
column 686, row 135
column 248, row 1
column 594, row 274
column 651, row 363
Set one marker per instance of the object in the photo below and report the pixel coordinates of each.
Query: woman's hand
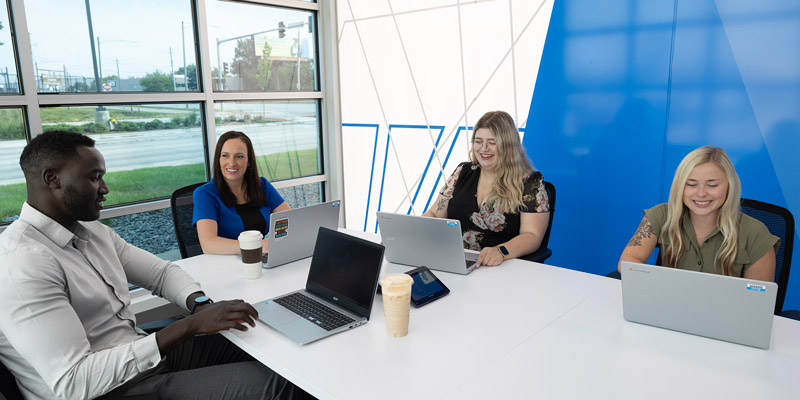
column 490, row 257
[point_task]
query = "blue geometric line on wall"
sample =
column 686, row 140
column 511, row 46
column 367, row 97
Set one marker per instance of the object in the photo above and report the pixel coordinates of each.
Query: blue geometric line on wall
column 386, row 156
column 425, row 172
column 446, row 158
column 372, row 169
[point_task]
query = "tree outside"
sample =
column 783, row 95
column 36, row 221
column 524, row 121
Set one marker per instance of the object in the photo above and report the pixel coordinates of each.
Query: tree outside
column 191, row 76
column 157, row 82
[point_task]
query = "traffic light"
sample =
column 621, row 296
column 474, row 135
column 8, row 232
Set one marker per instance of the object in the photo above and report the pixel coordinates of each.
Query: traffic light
column 281, row 30
column 224, row 69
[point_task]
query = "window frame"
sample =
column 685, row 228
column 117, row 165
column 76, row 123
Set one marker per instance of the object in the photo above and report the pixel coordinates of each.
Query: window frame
column 329, row 118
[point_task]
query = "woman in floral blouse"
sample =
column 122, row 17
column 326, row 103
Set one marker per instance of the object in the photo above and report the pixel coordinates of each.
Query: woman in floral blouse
column 498, row 196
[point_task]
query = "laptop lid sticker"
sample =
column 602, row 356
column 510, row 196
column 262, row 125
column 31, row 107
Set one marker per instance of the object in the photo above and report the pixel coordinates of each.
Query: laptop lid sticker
column 281, row 228
column 756, row 288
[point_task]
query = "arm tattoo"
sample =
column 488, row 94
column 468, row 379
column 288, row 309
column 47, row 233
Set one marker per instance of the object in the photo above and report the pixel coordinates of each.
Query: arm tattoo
column 645, row 231
column 442, row 203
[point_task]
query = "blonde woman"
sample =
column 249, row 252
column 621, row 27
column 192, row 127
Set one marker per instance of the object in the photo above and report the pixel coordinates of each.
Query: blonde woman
column 497, row 195
column 701, row 227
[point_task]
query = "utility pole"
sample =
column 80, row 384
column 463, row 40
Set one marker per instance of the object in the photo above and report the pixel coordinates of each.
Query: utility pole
column 171, row 69
column 185, row 72
column 99, row 59
column 119, row 78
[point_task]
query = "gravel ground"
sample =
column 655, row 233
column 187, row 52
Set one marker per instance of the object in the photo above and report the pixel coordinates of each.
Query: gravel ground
column 154, row 231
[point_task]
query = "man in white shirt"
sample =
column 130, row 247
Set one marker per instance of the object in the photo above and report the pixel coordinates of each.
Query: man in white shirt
column 66, row 329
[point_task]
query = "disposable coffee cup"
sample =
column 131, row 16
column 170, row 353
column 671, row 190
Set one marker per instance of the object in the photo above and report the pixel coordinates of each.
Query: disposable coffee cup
column 396, row 289
column 250, row 248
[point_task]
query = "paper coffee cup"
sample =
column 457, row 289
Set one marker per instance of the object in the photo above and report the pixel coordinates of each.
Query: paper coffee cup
column 396, row 289
column 250, row 248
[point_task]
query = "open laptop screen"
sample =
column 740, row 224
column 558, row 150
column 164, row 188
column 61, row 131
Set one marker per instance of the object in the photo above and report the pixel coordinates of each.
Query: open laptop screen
column 344, row 270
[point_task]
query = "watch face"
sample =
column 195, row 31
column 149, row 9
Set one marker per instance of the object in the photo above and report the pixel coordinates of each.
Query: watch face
column 503, row 250
column 201, row 299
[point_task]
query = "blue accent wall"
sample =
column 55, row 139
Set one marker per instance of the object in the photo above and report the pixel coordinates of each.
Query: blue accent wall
column 626, row 88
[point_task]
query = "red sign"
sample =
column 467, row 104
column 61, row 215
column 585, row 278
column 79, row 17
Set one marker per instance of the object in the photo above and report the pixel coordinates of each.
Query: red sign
column 107, row 87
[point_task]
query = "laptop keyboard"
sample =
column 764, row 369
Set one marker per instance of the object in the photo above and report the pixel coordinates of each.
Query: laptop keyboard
column 470, row 263
column 320, row 314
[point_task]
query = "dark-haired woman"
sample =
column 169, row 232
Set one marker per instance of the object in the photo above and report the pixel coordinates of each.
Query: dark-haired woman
column 237, row 199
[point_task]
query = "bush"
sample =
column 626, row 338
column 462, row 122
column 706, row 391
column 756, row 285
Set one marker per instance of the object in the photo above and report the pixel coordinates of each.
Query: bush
column 154, row 124
column 94, row 127
column 176, row 121
column 127, row 126
column 191, row 120
column 62, row 127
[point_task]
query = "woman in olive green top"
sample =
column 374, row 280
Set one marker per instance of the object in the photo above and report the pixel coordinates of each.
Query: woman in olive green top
column 701, row 228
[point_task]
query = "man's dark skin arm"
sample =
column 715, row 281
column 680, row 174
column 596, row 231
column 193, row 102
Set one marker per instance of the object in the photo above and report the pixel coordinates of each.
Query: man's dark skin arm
column 207, row 319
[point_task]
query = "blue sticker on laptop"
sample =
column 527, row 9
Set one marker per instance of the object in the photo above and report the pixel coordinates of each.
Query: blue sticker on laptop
column 452, row 223
column 335, row 204
column 757, row 288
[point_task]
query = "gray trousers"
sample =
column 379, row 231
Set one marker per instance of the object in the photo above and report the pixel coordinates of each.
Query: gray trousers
column 208, row 367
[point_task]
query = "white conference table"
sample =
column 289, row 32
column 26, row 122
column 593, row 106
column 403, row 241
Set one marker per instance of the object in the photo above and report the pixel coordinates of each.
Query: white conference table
column 521, row 330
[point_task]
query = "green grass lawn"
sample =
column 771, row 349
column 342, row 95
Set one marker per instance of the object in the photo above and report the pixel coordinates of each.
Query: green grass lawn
column 159, row 182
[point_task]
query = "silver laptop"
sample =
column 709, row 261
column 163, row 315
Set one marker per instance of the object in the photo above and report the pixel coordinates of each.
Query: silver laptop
column 422, row 241
column 721, row 307
column 292, row 233
column 339, row 291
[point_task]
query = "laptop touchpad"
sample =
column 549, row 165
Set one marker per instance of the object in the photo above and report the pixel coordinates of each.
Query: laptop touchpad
column 279, row 316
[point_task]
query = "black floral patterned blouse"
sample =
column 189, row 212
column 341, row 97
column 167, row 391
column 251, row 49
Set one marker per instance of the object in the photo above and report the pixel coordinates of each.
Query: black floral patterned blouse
column 484, row 226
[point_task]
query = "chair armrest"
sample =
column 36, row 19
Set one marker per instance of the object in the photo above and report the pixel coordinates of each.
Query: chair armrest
column 793, row 314
column 155, row 326
column 538, row 255
column 614, row 274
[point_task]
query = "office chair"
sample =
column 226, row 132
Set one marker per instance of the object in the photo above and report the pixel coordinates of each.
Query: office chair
column 543, row 253
column 8, row 385
column 780, row 222
column 182, row 205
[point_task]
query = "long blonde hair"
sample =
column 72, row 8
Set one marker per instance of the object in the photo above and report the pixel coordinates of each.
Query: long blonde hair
column 726, row 217
column 513, row 165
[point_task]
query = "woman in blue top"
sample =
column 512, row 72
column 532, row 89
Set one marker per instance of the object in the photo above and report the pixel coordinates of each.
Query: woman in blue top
column 236, row 200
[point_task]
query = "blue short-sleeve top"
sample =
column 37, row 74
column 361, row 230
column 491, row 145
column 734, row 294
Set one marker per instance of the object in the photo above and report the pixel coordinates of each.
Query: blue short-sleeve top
column 208, row 205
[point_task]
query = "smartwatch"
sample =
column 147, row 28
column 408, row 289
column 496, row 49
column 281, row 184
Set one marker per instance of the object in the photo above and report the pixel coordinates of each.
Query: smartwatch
column 503, row 251
column 200, row 300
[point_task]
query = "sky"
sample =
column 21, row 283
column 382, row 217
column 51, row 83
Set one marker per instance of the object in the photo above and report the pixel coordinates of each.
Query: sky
column 138, row 34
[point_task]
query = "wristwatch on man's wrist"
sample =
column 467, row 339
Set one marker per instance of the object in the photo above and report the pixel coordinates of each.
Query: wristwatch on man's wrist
column 503, row 251
column 200, row 300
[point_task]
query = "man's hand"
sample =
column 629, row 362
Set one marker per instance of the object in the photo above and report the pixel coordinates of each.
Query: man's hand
column 211, row 318
column 229, row 314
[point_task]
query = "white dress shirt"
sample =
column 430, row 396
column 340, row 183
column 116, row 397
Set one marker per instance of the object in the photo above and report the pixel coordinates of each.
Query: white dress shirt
column 66, row 329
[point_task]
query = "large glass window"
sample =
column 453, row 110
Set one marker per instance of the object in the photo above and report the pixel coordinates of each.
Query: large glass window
column 9, row 82
column 285, row 134
column 302, row 195
column 141, row 46
column 103, row 58
column 266, row 49
column 152, row 231
column 150, row 149
column 12, row 182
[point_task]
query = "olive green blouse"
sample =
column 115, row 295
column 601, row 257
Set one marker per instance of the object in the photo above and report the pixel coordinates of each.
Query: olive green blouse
column 754, row 241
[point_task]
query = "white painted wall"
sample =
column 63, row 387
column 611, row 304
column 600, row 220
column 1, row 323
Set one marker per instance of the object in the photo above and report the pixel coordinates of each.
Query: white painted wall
column 426, row 68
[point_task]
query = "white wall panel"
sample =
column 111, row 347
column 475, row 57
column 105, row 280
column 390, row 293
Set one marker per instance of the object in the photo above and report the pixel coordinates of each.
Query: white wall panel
column 422, row 70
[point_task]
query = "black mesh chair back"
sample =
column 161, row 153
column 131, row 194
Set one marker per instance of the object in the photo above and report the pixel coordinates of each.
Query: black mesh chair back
column 780, row 223
column 182, row 205
column 544, row 252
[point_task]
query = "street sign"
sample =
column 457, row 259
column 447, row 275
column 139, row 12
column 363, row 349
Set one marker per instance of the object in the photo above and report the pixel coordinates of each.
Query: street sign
column 51, row 79
column 107, row 87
